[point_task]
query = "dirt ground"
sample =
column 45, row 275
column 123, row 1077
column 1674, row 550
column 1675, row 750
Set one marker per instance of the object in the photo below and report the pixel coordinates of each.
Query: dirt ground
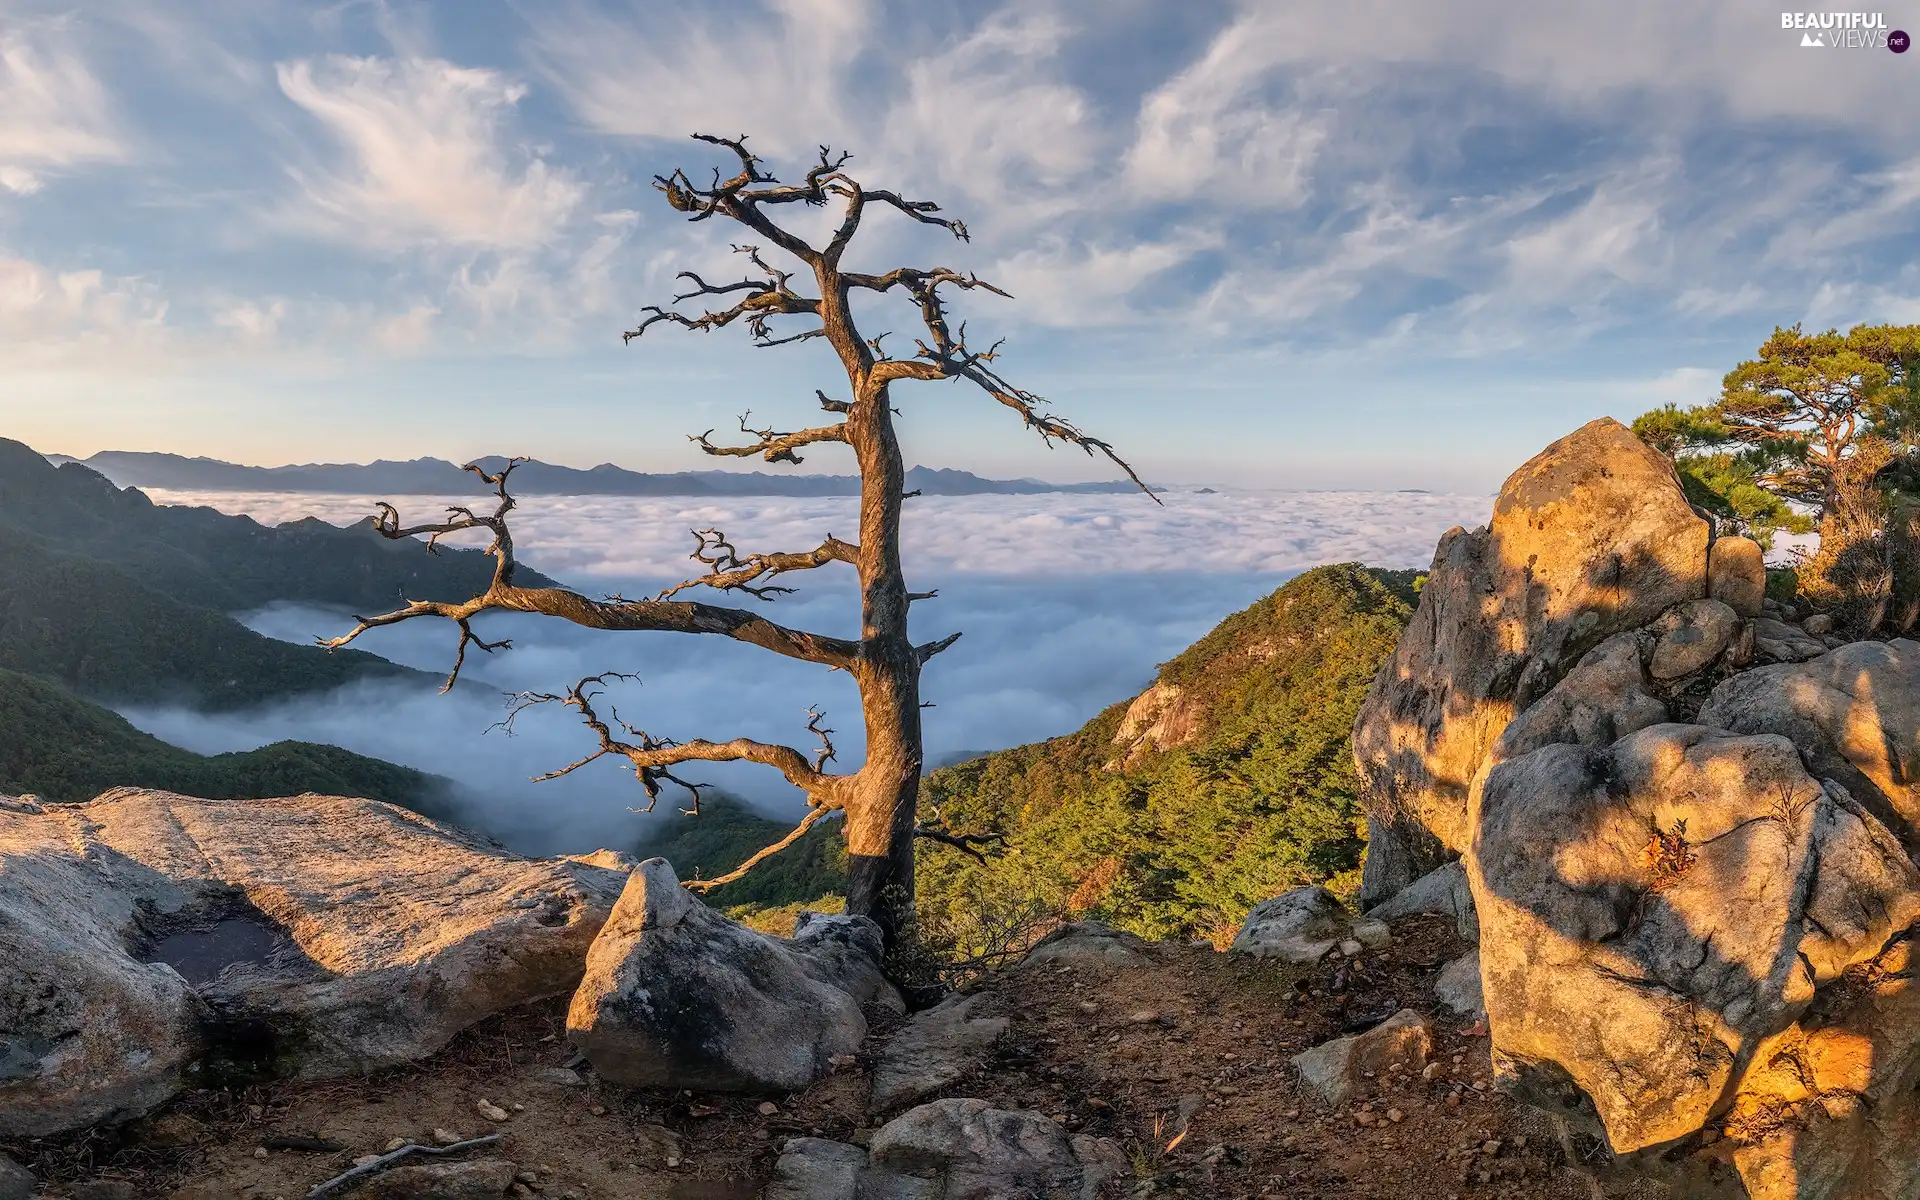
column 1184, row 1062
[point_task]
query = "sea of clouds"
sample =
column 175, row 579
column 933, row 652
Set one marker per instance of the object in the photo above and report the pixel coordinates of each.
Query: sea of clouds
column 1066, row 605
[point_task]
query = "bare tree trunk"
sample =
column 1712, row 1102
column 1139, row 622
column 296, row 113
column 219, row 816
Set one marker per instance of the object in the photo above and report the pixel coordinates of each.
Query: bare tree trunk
column 1849, row 573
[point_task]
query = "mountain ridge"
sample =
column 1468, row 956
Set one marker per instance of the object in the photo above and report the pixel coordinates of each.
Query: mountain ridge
column 432, row 476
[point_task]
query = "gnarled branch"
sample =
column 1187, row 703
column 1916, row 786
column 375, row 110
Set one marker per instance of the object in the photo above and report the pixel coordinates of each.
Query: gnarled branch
column 613, row 613
column 970, row 844
column 772, row 445
column 654, row 757
column 751, row 574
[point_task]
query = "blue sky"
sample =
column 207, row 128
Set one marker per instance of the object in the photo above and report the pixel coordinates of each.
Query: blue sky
column 1388, row 243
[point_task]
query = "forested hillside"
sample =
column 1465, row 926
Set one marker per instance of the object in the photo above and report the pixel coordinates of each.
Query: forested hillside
column 1233, row 781
column 59, row 747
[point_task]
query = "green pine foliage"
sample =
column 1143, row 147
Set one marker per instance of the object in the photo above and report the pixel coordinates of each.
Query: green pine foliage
column 727, row 832
column 61, row 748
column 1182, row 842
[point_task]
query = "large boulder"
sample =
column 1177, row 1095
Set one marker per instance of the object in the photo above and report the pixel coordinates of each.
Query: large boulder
column 952, row 1150
column 1737, row 574
column 149, row 934
column 1589, row 538
column 677, row 995
column 1656, row 913
column 1855, row 715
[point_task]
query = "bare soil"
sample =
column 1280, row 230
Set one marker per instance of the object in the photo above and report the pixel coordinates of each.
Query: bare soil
column 1183, row 1061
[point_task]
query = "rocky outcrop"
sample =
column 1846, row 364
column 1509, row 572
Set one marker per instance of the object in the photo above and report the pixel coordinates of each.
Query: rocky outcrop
column 1301, row 925
column 1160, row 718
column 1688, row 828
column 933, row 1050
column 16, row 1182
column 1591, row 537
column 677, row 995
column 1335, row 1070
column 1854, row 713
column 1654, row 914
column 951, row 1150
column 149, row 935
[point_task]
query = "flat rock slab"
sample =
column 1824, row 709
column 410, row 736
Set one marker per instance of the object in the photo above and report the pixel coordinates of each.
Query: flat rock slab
column 933, row 1050
column 311, row 936
column 955, row 1149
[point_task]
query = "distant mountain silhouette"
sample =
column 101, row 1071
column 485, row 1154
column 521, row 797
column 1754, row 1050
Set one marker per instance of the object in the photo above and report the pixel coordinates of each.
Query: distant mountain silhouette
column 436, row 477
column 123, row 600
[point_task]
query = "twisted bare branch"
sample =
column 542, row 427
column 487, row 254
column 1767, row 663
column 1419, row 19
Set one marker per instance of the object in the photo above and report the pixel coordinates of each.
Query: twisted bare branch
column 654, row 757
column 772, row 445
column 972, row 845
column 614, row 613
column 752, row 574
column 759, row 856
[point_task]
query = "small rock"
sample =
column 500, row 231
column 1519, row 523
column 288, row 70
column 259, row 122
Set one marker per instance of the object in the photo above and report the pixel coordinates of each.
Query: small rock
column 259, row 1151
column 1374, row 935
column 558, row 1077
column 1396, row 1116
column 396, row 1143
column 480, row 1179
column 446, row 1137
column 1818, row 624
column 1145, row 1016
column 491, row 1111
column 16, row 1182
column 1490, row 1148
column 364, row 1159
column 1351, row 948
column 1336, row 1069
column 769, row 1109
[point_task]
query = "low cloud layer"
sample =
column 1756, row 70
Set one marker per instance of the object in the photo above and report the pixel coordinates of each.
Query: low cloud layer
column 1067, row 604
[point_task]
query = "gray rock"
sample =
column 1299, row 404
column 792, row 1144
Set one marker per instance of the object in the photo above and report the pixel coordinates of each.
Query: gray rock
column 16, row 1182
column 1458, row 986
column 979, row 1152
column 340, row 935
column 1443, row 891
column 1737, row 574
column 933, row 1050
column 1854, row 714
column 1089, row 942
column 1691, row 636
column 1819, row 624
column 846, row 952
column 817, row 1169
column 1335, row 1070
column 102, row 1189
column 1603, row 699
column 1777, row 641
column 1591, row 537
column 951, row 1150
column 481, row 1179
column 676, row 995
column 1297, row 926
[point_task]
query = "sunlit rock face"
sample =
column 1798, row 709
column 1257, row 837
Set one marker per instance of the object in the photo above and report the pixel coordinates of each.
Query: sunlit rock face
column 1591, row 537
column 153, row 941
column 1688, row 828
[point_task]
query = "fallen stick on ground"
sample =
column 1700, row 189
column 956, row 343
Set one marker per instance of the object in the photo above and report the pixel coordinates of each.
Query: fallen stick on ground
column 387, row 1160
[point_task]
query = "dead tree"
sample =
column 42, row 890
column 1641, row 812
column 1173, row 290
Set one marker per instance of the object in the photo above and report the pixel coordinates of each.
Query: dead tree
column 880, row 798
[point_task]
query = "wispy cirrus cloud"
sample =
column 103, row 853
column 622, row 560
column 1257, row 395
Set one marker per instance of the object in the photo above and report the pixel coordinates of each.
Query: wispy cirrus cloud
column 55, row 114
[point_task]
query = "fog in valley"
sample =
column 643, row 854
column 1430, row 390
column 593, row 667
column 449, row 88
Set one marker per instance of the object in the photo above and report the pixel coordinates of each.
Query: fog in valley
column 1067, row 604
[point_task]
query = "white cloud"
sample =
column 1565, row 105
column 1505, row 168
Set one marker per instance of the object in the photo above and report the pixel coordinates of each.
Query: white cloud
column 1212, row 130
column 47, row 313
column 424, row 156
column 668, row 71
column 54, row 113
